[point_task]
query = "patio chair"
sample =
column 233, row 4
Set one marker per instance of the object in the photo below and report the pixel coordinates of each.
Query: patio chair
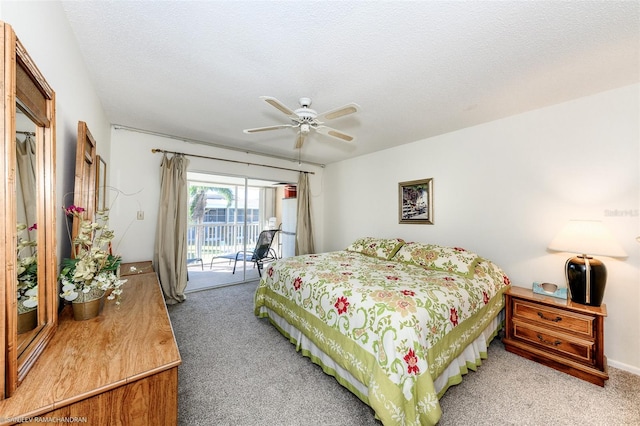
column 262, row 253
column 195, row 260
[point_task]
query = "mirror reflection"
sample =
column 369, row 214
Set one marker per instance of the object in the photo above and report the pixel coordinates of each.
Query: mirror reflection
column 26, row 226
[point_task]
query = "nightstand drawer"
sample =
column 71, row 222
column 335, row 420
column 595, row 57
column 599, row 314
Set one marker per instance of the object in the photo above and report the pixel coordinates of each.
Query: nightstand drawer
column 564, row 345
column 547, row 316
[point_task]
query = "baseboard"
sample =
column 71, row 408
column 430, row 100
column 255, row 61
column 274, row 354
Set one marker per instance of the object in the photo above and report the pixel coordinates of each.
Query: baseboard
column 623, row 366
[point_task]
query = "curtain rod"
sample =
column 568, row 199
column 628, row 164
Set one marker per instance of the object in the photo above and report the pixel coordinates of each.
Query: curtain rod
column 26, row 133
column 155, row 150
column 215, row 145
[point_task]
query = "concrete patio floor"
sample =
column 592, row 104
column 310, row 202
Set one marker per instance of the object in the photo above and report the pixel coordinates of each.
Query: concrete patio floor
column 217, row 274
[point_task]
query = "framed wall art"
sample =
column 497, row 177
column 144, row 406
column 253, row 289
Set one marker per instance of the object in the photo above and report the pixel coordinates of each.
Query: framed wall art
column 416, row 201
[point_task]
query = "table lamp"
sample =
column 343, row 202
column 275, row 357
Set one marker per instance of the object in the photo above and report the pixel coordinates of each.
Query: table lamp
column 586, row 276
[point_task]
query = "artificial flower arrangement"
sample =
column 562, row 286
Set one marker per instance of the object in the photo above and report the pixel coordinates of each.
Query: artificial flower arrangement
column 27, row 270
column 93, row 270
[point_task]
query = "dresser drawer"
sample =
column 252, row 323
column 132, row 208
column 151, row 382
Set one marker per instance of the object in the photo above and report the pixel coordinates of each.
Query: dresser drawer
column 567, row 346
column 547, row 316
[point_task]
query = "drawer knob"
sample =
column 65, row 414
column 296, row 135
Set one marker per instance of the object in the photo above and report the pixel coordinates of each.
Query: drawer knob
column 556, row 319
column 547, row 342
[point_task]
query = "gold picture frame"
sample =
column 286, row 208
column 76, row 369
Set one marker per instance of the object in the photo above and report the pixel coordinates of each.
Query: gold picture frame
column 415, row 199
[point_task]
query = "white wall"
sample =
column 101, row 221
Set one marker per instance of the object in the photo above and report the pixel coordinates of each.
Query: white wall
column 43, row 29
column 503, row 189
column 135, row 183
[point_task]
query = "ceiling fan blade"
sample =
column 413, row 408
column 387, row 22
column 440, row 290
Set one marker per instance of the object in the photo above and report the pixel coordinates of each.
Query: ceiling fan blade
column 300, row 140
column 334, row 133
column 263, row 129
column 339, row 112
column 279, row 105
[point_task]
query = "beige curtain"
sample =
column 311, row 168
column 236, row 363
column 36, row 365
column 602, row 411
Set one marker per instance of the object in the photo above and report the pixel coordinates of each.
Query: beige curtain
column 26, row 189
column 304, row 232
column 170, row 254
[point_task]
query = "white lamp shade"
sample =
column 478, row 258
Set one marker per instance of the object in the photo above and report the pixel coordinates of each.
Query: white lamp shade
column 589, row 237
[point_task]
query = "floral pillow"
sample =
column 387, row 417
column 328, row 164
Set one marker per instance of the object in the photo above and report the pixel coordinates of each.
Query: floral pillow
column 383, row 248
column 448, row 259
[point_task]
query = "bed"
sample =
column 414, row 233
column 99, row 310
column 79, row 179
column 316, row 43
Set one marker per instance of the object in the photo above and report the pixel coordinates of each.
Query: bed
column 394, row 322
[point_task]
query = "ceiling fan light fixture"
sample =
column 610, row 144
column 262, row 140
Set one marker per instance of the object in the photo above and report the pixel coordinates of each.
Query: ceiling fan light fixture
column 307, row 119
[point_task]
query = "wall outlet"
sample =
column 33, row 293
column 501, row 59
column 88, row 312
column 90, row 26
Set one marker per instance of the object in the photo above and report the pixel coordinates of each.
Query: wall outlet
column 140, row 215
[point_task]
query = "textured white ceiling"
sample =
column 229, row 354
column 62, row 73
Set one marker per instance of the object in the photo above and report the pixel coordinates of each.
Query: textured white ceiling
column 195, row 70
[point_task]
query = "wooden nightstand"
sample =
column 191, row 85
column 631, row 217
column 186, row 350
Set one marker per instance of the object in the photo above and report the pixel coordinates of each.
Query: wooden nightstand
column 558, row 333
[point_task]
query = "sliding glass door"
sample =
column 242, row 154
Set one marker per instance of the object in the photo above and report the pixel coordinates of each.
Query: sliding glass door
column 226, row 216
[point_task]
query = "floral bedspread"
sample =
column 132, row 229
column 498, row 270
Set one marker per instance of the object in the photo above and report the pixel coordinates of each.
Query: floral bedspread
column 392, row 324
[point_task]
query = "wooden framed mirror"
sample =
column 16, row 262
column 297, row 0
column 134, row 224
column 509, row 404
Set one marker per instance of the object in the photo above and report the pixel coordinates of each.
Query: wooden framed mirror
column 27, row 214
column 84, row 193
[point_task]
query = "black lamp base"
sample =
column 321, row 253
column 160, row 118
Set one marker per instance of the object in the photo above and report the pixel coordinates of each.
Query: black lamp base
column 586, row 279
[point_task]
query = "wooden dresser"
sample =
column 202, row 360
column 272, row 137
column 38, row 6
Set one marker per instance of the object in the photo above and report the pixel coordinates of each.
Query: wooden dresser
column 561, row 334
column 120, row 368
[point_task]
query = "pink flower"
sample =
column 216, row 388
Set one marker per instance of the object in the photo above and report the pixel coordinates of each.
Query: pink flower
column 71, row 210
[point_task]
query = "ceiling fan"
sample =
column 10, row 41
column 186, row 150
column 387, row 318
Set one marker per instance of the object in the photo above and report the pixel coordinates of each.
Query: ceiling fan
column 306, row 119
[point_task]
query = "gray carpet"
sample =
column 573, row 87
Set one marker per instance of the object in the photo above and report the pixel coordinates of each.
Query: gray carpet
column 239, row 370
